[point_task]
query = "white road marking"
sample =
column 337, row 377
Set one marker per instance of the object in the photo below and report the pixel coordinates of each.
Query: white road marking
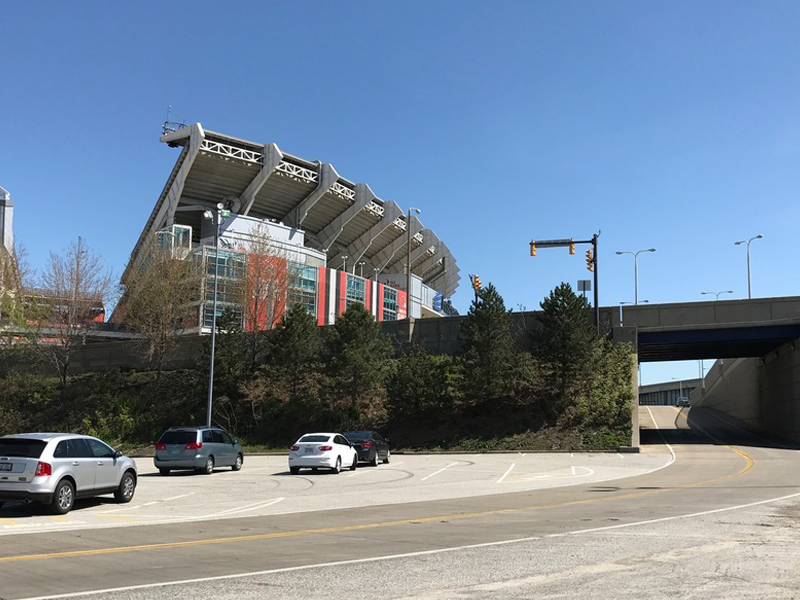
column 620, row 455
column 573, row 469
column 178, row 497
column 404, row 555
column 439, row 471
column 671, row 451
column 506, row 473
column 245, row 508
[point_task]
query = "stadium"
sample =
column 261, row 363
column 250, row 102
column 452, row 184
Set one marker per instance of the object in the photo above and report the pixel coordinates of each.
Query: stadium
column 335, row 241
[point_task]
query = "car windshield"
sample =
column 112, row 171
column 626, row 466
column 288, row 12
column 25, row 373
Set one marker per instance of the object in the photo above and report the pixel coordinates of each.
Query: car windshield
column 21, row 447
column 178, row 437
column 357, row 436
column 314, row 438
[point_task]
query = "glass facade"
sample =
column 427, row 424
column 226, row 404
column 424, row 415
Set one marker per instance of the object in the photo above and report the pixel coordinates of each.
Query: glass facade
column 232, row 265
column 389, row 304
column 356, row 290
column 302, row 287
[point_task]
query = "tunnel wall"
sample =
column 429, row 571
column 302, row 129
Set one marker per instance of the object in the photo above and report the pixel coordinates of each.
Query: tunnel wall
column 763, row 393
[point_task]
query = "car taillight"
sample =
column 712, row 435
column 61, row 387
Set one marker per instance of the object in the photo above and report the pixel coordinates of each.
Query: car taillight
column 366, row 445
column 294, row 448
column 43, row 469
column 161, row 446
column 194, row 446
column 325, row 448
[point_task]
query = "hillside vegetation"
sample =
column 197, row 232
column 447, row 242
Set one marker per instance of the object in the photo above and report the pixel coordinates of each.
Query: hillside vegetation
column 568, row 388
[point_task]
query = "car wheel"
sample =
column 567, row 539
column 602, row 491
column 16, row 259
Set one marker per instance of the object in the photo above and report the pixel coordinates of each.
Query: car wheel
column 63, row 498
column 127, row 487
column 375, row 459
column 355, row 463
column 237, row 466
column 338, row 468
column 386, row 460
column 294, row 470
column 164, row 471
column 209, row 466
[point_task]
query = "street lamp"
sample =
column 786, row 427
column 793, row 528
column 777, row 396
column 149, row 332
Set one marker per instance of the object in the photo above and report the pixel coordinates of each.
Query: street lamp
column 636, row 270
column 680, row 386
column 758, row 237
column 620, row 308
column 716, row 294
column 344, row 262
column 216, row 218
column 408, row 262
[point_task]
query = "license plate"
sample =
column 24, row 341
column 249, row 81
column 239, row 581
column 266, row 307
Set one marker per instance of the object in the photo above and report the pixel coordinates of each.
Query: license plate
column 5, row 466
column 309, row 450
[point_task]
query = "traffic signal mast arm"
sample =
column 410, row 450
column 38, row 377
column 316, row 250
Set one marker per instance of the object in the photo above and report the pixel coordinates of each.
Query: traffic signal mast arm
column 591, row 262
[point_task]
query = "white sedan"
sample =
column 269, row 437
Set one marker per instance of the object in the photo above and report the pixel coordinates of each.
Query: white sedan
column 322, row 451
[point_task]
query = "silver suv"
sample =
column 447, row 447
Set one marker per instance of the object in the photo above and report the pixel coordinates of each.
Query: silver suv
column 198, row 448
column 57, row 468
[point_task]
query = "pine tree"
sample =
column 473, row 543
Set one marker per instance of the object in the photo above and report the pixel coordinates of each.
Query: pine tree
column 488, row 352
column 357, row 355
column 567, row 345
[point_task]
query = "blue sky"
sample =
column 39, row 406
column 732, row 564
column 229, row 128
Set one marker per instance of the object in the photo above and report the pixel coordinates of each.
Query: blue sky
column 668, row 125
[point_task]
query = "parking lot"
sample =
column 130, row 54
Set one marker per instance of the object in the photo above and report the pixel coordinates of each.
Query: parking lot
column 264, row 486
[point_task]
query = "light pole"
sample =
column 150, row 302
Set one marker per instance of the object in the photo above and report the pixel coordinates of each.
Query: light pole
column 620, row 308
column 221, row 213
column 636, row 270
column 680, row 386
column 757, row 237
column 408, row 264
column 716, row 294
column 344, row 262
column 361, row 268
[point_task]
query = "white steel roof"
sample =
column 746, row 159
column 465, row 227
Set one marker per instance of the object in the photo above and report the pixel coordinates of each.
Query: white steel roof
column 339, row 217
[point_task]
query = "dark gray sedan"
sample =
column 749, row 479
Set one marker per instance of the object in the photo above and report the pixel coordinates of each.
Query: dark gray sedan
column 371, row 446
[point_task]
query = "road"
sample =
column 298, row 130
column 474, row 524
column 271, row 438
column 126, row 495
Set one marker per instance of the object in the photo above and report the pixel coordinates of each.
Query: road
column 715, row 516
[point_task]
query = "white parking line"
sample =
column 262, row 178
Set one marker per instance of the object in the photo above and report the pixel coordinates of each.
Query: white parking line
column 573, row 469
column 245, row 508
column 439, row 471
column 178, row 497
column 506, row 473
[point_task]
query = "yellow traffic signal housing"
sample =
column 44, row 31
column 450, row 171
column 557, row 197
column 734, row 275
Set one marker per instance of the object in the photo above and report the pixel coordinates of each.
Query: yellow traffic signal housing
column 572, row 247
column 476, row 283
column 589, row 260
column 533, row 248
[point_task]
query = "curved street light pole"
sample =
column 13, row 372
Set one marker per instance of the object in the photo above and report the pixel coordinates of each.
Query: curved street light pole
column 756, row 237
column 716, row 294
column 636, row 270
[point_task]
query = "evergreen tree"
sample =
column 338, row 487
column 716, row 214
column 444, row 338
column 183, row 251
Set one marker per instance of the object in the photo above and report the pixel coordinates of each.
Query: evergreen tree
column 296, row 345
column 567, row 346
column 357, row 355
column 488, row 352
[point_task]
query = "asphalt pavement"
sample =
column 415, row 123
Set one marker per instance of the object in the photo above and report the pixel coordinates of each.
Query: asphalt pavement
column 713, row 515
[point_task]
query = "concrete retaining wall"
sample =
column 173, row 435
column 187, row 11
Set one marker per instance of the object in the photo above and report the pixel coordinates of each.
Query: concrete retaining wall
column 763, row 393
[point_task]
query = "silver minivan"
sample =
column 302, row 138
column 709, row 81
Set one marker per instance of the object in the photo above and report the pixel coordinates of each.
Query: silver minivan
column 57, row 468
column 198, row 448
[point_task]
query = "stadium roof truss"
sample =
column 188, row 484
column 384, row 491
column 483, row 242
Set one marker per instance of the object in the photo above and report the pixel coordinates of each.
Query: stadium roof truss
column 339, row 218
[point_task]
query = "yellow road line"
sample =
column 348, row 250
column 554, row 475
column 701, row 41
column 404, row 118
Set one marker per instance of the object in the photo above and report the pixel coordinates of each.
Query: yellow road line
column 345, row 528
column 8, row 522
column 62, row 519
column 749, row 463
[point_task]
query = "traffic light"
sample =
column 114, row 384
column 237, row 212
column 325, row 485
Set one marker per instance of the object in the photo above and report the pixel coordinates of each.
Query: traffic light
column 589, row 260
column 476, row 283
column 572, row 247
column 533, row 248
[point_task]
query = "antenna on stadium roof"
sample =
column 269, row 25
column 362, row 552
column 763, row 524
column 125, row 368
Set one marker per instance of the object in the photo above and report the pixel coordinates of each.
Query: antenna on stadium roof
column 169, row 125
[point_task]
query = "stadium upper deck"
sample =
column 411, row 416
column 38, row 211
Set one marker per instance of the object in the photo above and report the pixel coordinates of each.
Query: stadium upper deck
column 345, row 221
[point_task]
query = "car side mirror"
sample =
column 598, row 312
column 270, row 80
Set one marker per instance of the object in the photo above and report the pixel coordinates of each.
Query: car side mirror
column 117, row 454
